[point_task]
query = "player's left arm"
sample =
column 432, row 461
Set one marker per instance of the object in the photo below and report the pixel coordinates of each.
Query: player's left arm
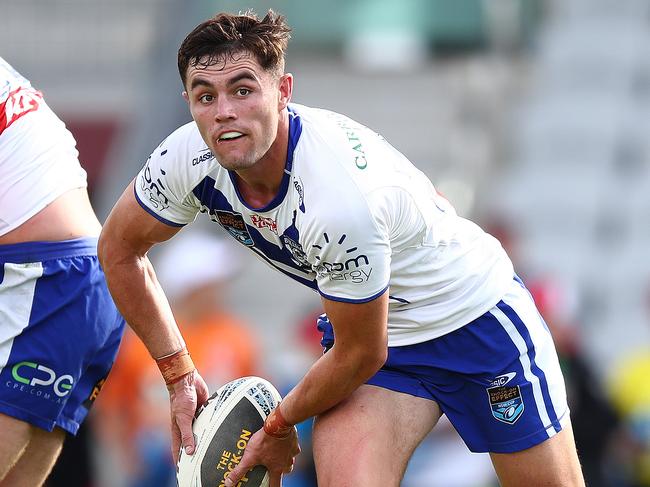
column 359, row 351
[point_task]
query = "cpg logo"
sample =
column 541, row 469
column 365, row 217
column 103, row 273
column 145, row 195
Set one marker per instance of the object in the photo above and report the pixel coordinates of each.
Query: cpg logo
column 34, row 374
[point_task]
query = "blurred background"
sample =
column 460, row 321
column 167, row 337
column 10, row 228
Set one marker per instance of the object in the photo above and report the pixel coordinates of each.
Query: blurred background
column 531, row 116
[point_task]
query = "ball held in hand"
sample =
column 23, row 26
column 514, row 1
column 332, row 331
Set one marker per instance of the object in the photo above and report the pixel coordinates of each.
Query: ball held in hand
column 222, row 428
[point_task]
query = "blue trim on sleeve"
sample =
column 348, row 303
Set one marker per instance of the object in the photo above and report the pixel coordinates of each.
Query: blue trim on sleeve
column 356, row 301
column 154, row 214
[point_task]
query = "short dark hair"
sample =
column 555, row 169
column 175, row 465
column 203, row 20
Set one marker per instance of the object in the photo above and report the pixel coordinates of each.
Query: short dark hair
column 220, row 38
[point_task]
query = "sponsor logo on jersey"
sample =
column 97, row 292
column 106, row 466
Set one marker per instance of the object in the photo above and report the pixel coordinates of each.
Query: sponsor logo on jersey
column 36, row 375
column 345, row 265
column 18, row 103
column 506, row 401
column 353, row 268
column 154, row 189
column 264, row 222
column 297, row 183
column 357, row 276
column 235, row 226
column 205, row 156
column 351, row 129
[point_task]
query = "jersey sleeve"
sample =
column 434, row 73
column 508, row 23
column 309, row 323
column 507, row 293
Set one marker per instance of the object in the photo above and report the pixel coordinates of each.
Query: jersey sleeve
column 163, row 187
column 352, row 256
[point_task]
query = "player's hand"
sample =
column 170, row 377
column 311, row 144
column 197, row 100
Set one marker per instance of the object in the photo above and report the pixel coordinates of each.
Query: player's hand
column 276, row 454
column 185, row 397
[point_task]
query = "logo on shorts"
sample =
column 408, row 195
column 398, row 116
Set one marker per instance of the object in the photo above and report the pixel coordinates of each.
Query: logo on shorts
column 506, row 401
column 94, row 393
column 33, row 374
column 502, row 380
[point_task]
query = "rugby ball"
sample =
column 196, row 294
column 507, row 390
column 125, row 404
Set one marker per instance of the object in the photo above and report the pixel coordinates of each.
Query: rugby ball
column 222, row 428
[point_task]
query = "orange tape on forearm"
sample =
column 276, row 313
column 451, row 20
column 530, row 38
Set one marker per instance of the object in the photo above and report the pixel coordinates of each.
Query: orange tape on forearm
column 275, row 425
column 175, row 366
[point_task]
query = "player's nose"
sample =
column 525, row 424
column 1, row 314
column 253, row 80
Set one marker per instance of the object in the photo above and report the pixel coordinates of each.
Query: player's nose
column 224, row 109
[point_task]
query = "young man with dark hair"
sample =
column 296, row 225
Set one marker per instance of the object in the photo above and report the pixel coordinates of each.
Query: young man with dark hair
column 424, row 313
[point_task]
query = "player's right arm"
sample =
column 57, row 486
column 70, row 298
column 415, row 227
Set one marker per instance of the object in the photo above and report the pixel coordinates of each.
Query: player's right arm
column 128, row 234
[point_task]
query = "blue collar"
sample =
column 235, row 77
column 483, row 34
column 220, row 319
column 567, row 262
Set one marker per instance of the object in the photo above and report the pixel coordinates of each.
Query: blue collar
column 295, row 129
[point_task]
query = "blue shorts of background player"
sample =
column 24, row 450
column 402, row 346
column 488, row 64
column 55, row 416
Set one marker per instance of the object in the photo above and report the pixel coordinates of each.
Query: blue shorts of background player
column 497, row 379
column 60, row 331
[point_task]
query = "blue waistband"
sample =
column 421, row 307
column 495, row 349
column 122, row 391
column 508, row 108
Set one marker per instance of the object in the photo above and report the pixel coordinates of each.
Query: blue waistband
column 24, row 252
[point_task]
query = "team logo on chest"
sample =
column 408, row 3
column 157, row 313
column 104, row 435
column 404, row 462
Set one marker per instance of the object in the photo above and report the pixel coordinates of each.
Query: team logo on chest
column 297, row 253
column 264, row 222
column 235, row 226
column 505, row 400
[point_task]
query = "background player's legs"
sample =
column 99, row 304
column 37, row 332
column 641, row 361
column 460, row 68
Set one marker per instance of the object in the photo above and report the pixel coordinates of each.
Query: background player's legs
column 369, row 438
column 27, row 453
column 551, row 463
column 15, row 437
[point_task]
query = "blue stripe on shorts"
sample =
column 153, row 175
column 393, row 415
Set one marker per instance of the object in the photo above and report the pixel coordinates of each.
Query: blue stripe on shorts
column 497, row 379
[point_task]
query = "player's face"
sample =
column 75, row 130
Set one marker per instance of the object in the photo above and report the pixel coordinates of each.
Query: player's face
column 236, row 106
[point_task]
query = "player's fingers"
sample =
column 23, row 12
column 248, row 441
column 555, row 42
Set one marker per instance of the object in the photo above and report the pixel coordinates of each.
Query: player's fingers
column 176, row 441
column 275, row 480
column 184, row 423
column 236, row 474
column 289, row 468
column 202, row 393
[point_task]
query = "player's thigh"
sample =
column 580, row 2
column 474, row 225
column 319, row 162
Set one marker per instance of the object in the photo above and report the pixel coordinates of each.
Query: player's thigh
column 15, row 437
column 530, row 467
column 37, row 460
column 369, row 438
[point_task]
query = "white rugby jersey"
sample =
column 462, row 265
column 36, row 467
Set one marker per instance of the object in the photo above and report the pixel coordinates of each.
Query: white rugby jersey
column 38, row 158
column 353, row 218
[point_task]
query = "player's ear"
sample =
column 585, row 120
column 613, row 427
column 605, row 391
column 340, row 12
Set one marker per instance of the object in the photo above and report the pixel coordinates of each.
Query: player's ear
column 285, row 90
column 185, row 96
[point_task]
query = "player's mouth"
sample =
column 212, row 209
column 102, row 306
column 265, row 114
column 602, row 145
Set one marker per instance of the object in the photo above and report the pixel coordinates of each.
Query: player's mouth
column 229, row 136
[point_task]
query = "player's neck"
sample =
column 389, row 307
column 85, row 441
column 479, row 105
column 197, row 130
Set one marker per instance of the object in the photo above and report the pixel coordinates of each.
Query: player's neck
column 259, row 184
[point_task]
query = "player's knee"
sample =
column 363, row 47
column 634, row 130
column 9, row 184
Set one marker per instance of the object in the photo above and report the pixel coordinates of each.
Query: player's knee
column 552, row 463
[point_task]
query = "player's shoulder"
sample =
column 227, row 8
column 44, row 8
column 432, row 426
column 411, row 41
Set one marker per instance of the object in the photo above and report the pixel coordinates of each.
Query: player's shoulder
column 342, row 143
column 344, row 159
column 177, row 165
column 332, row 127
column 10, row 78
